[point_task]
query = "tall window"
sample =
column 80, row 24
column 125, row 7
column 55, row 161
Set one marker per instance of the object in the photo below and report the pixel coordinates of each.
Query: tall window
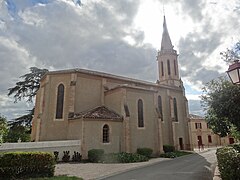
column 175, row 109
column 198, row 125
column 60, row 101
column 160, row 106
column 168, row 67
column 175, row 67
column 105, row 133
column 162, row 69
column 140, row 113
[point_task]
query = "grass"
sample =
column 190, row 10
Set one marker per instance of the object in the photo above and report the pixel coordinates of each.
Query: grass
column 58, row 178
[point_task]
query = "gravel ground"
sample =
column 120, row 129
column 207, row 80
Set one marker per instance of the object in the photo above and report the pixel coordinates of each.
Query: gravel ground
column 97, row 170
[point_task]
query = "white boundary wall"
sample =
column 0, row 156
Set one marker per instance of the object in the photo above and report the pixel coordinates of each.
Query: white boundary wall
column 45, row 146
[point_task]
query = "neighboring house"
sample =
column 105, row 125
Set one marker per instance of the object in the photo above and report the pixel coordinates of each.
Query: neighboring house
column 114, row 113
column 202, row 136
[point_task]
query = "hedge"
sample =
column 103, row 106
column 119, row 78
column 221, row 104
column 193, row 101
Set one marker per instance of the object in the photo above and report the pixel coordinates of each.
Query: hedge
column 145, row 152
column 229, row 162
column 95, row 155
column 168, row 148
column 26, row 164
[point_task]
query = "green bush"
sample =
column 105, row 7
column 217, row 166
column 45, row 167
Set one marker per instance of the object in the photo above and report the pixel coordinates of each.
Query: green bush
column 131, row 158
column 174, row 154
column 168, row 148
column 123, row 158
column 95, row 155
column 26, row 164
column 236, row 147
column 228, row 163
column 145, row 152
column 168, row 155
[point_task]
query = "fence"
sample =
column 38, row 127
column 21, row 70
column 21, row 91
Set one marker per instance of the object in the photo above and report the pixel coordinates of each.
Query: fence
column 45, row 146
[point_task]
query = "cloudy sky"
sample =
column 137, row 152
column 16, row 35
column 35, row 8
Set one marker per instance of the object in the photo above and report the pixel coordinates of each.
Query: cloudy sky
column 120, row 37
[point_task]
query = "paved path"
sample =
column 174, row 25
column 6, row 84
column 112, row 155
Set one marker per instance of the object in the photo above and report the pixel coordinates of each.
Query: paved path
column 101, row 171
column 97, row 170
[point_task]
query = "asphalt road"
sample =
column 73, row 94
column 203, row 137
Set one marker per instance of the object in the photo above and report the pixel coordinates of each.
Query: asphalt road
column 191, row 167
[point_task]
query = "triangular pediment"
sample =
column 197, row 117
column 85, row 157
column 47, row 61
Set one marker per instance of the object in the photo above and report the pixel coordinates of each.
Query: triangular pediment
column 100, row 112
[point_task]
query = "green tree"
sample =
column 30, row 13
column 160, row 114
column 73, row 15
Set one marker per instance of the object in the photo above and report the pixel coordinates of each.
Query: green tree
column 26, row 89
column 221, row 100
column 231, row 54
column 17, row 132
column 3, row 128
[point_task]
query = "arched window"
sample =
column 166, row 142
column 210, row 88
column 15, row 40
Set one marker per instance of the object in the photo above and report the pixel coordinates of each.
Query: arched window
column 140, row 113
column 105, row 134
column 175, row 109
column 168, row 67
column 175, row 67
column 160, row 106
column 162, row 69
column 60, row 101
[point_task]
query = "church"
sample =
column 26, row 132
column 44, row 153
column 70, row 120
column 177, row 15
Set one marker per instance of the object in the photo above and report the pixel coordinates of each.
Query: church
column 115, row 113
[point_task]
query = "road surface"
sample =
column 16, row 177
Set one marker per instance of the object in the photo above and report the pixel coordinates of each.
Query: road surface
column 191, row 167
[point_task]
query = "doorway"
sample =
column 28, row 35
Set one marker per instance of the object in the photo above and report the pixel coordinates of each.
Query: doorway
column 181, row 143
column 199, row 139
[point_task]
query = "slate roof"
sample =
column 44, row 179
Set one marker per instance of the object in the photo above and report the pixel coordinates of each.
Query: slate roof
column 100, row 112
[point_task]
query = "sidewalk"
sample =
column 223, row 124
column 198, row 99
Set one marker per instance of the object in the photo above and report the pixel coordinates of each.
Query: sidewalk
column 216, row 174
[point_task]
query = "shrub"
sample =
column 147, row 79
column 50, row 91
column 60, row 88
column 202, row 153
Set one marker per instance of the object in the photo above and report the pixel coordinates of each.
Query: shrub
column 168, row 148
column 130, row 158
column 26, row 164
column 95, row 155
column 174, row 154
column 228, row 163
column 66, row 156
column 56, row 153
column 168, row 155
column 236, row 147
column 145, row 152
column 77, row 157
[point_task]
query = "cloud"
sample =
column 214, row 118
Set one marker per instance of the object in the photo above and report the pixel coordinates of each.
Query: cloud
column 100, row 35
column 60, row 35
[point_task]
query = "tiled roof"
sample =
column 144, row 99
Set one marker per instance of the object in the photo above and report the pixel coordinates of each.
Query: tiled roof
column 193, row 116
column 100, row 112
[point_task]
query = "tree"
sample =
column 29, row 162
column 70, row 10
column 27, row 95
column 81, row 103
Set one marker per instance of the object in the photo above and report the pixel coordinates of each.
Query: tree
column 26, row 89
column 18, row 132
column 232, row 54
column 221, row 99
column 3, row 128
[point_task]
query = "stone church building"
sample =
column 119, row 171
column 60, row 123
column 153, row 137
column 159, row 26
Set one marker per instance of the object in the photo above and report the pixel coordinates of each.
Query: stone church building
column 114, row 113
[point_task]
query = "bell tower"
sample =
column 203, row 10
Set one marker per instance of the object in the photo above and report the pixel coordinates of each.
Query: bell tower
column 168, row 60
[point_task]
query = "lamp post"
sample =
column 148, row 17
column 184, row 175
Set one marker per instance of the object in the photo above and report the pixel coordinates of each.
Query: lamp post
column 234, row 72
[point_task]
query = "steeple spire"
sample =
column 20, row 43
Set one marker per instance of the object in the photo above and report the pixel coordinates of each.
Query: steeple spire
column 166, row 41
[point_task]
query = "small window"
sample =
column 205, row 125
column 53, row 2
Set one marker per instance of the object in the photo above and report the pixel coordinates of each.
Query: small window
column 140, row 113
column 160, row 106
column 175, row 109
column 60, row 101
column 168, row 67
column 198, row 125
column 105, row 133
column 209, row 139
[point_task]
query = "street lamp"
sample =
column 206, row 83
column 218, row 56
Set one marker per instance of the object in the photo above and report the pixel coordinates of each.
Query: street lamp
column 234, row 72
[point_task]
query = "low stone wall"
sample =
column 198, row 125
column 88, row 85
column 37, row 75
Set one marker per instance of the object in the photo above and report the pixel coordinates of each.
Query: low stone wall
column 45, row 146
